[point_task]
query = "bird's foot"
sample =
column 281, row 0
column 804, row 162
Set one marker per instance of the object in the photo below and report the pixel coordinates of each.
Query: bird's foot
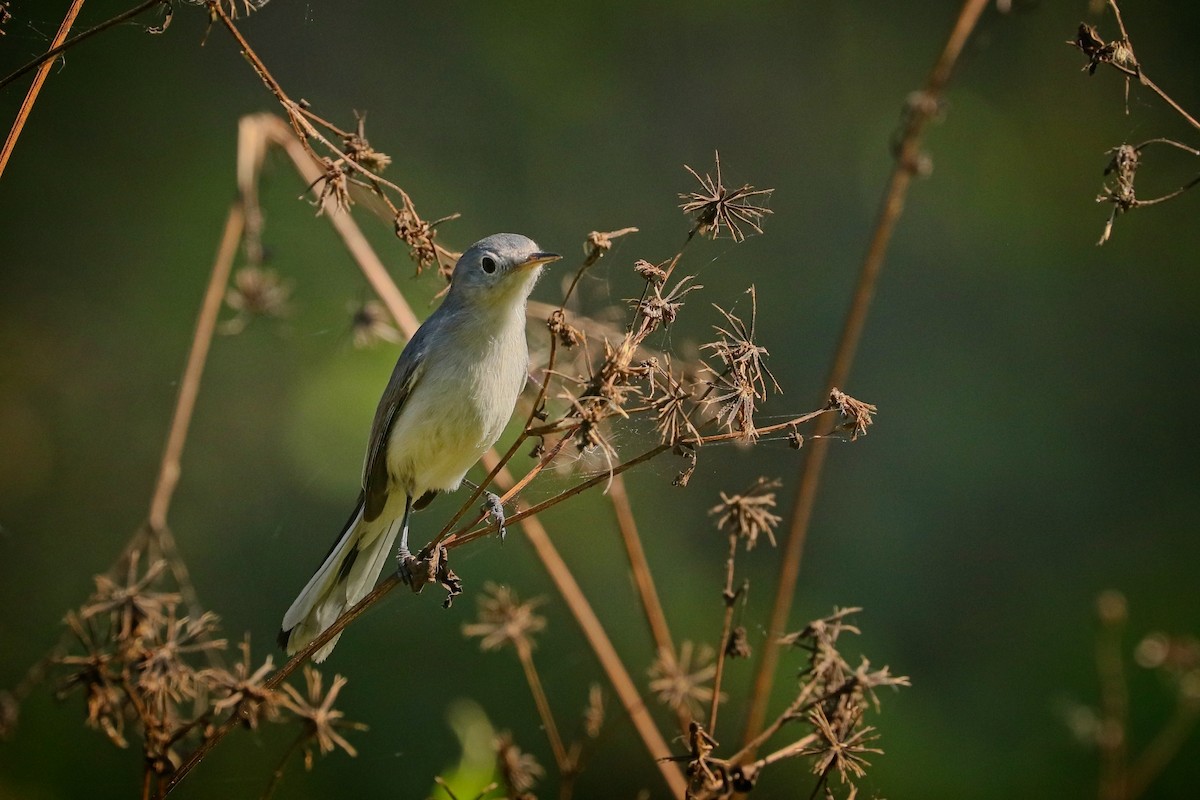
column 495, row 509
column 410, row 569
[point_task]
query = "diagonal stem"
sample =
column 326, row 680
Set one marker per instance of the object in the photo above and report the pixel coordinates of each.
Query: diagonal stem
column 921, row 113
column 31, row 96
column 640, row 567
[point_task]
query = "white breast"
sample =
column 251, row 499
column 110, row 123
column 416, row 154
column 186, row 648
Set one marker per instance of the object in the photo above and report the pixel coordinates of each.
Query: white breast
column 459, row 407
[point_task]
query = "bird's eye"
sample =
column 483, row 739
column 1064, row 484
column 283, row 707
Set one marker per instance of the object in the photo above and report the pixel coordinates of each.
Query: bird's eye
column 487, row 264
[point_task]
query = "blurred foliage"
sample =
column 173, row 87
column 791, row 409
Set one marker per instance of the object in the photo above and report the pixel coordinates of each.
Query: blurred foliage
column 1034, row 446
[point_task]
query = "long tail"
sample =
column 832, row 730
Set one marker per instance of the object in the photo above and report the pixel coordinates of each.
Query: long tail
column 346, row 576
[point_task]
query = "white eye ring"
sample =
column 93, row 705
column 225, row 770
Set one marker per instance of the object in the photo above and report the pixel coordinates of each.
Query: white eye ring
column 487, row 264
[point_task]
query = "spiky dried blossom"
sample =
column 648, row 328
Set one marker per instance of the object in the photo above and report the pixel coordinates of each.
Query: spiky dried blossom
column 598, row 243
column 370, row 324
column 315, row 708
column 717, row 209
column 568, row 335
column 419, row 235
column 673, row 403
column 520, row 771
column 655, row 309
column 335, row 186
column 242, row 689
column 748, row 513
column 593, row 713
column 679, row 680
column 504, row 619
column 843, row 746
column 856, row 416
column 359, row 150
column 742, row 380
column 256, row 292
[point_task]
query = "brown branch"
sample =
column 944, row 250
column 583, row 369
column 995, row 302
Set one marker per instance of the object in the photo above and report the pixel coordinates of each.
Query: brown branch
column 602, row 646
column 656, row 618
column 730, row 597
column 525, row 655
column 908, row 152
column 1163, row 747
column 50, row 54
column 459, row 539
column 189, row 387
column 31, row 96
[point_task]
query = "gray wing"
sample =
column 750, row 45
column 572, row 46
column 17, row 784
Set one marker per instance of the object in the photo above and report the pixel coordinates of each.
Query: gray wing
column 405, row 376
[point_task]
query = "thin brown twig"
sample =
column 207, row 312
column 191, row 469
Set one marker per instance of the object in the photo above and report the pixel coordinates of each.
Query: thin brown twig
column 1163, row 748
column 277, row 775
column 50, row 54
column 525, row 656
column 656, row 618
column 922, row 111
column 189, row 386
column 730, row 597
column 459, row 539
column 39, row 79
column 1142, row 78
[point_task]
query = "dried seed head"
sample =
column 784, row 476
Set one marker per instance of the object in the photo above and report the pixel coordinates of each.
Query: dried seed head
column 738, row 644
column 743, row 378
column 717, row 209
column 370, row 324
column 593, row 713
column 748, row 514
column 679, row 682
column 673, row 404
column 656, row 309
column 359, row 150
column 856, row 416
column 504, row 619
column 315, row 708
column 519, row 771
column 599, row 243
column 653, row 274
column 568, row 335
column 242, row 688
column 255, row 293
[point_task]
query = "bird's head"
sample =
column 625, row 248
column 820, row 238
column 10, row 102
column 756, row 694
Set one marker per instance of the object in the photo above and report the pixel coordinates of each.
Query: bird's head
column 500, row 268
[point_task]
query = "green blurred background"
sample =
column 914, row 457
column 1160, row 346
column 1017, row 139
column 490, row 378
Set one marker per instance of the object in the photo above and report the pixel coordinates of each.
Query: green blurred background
column 1035, row 441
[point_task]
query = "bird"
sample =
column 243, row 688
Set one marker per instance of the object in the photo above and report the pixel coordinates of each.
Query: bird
column 450, row 395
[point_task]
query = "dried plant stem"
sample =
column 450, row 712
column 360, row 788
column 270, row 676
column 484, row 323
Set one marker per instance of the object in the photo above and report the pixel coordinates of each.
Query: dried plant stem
column 40, row 78
column 643, row 580
column 1141, row 76
column 730, row 597
column 74, row 40
column 459, row 539
column 343, row 223
column 277, row 775
column 618, row 676
column 907, row 157
column 525, row 655
column 189, row 387
column 627, row 524
column 239, row 716
column 1163, row 748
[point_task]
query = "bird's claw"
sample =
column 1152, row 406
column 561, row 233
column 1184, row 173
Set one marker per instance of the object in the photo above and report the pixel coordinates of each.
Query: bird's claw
column 407, row 566
column 495, row 509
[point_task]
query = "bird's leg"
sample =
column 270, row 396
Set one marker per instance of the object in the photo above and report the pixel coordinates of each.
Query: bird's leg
column 404, row 559
column 495, row 509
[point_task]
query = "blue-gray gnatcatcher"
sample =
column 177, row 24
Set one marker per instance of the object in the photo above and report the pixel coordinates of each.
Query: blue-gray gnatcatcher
column 451, row 394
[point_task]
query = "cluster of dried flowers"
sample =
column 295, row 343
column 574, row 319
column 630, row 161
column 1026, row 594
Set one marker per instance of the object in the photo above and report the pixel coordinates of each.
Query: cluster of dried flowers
column 150, row 672
column 1118, row 54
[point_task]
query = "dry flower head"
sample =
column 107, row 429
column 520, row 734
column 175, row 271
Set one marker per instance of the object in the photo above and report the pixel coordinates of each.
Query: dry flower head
column 718, row 210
